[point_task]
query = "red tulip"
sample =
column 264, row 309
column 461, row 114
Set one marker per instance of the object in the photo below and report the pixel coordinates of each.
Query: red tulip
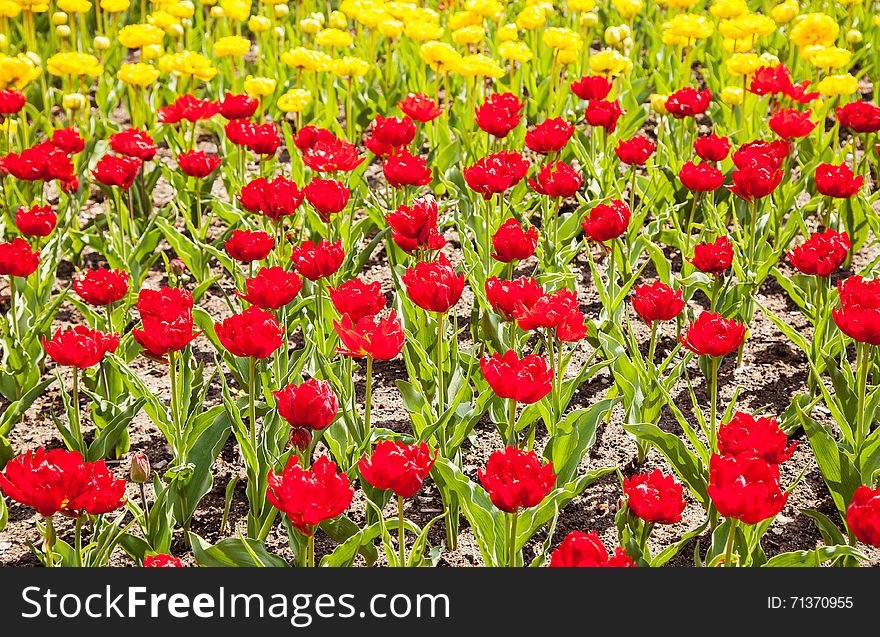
column 837, row 181
column 117, row 171
column 771, row 80
column 134, row 143
column 58, row 481
column 310, row 405
column 162, row 561
column 166, row 317
column 700, row 177
column 249, row 245
column 499, row 114
column 790, row 123
column 272, row 288
column 17, row 258
column 821, row 254
column 713, row 258
column 506, row 297
column 317, row 261
column 745, row 488
column 188, row 107
column 512, row 243
column 68, row 140
column 603, row 113
column 43, row 162
column 557, row 179
column 516, row 479
column 405, row 169
column 859, row 117
column 378, row 148
column 358, row 299
column 550, row 136
column 496, row 173
column 657, row 302
column 557, row 311
column 712, row 148
column 525, row 380
column 309, row 496
column 635, row 151
column 433, row 285
column 688, row 102
column 863, row 515
column 415, row 227
column 755, row 182
column 241, row 106
column 606, row 221
column 263, row 139
column 420, row 107
column 39, row 221
column 654, row 497
column 586, row 550
column 275, row 199
column 746, row 435
column 713, row 335
column 253, row 333
column 592, row 87
column 102, row 287
column 379, row 339
column 197, row 163
column 859, row 313
column 80, row 346
column 398, row 467
column 759, row 153
column 393, row 131
column 11, row 102
column 327, row 197
column 327, row 154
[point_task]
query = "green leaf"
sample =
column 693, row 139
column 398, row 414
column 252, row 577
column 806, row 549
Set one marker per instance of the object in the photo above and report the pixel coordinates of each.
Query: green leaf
column 816, row 557
column 673, row 549
column 685, row 462
column 841, row 477
column 232, row 551
column 831, row 534
column 106, row 440
column 16, row 410
column 575, row 435
column 4, row 512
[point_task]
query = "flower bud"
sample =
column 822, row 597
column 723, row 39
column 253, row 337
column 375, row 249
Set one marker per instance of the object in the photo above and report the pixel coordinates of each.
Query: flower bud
column 300, row 438
column 612, row 36
column 732, row 95
column 259, row 24
column 337, row 20
column 101, row 43
column 59, row 18
column 589, row 20
column 853, row 36
column 281, row 10
column 63, row 31
column 73, row 102
column 140, row 468
column 177, row 267
column 217, row 12
column 658, row 103
column 278, row 32
column 175, row 31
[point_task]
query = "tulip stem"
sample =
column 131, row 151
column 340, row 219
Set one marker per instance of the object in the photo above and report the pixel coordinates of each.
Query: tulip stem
column 368, row 399
column 441, row 399
column 731, row 536
column 863, row 363
column 511, row 433
column 652, row 347
column 77, row 539
column 712, row 379
column 13, row 324
column 252, row 411
column 143, row 490
column 310, row 551
column 401, row 531
column 50, row 541
column 76, row 420
column 511, row 544
column 175, row 420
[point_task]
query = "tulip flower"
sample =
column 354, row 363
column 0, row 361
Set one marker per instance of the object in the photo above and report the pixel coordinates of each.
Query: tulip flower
column 272, row 288
column 420, row 107
column 162, row 561
column 506, row 297
column 521, row 380
column 394, row 132
column 592, row 87
column 239, row 106
column 38, row 221
column 310, row 406
column 499, row 114
column 405, row 169
column 414, row 228
column 655, row 498
column 248, row 246
column 863, row 515
column 712, row 148
column 586, row 550
column 751, row 436
column 654, row 303
column 132, row 142
column 358, row 299
column 198, row 164
column 550, row 136
column 513, row 243
column 327, row 197
column 688, row 102
column 837, row 181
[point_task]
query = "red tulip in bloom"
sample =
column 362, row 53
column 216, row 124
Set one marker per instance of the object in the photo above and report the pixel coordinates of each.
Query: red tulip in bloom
column 859, row 313
column 188, row 107
column 790, row 123
column 499, row 114
column 657, row 302
column 799, row 93
column 134, row 143
column 58, row 481
column 272, row 288
column 398, row 467
column 771, row 80
column 102, row 287
column 309, row 137
column 80, row 346
column 760, row 153
column 713, row 258
column 414, row 227
column 253, row 333
column 275, row 198
column 755, row 182
column 68, row 140
column 166, row 316
column 859, row 117
column 494, row 174
column 327, row 197
column 516, row 479
column 238, row 131
column 249, row 245
column 512, row 243
column 43, row 162
column 654, row 497
column 746, row 435
column 358, row 299
column 117, row 171
column 379, row 339
column 325, row 153
column 162, row 560
column 712, row 147
column 557, row 179
column 688, row 102
column 586, row 550
column 197, row 163
column 310, row 405
column 837, row 181
column 506, row 297
column 525, row 380
column 550, row 136
column 713, row 335
column 263, row 139
column 309, row 496
column 557, row 311
column 635, row 151
column 745, row 488
column 17, row 258
column 39, row 221
column 604, row 113
column 821, row 254
column 592, row 87
column 702, row 177
column 420, row 107
column 863, row 515
column 405, row 169
column 433, row 285
column 239, row 106
column 316, row 261
column 11, row 102
column 393, row 131
column 606, row 221
column 378, row 148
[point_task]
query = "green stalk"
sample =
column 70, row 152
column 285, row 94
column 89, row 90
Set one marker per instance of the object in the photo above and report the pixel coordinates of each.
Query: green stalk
column 175, row 417
column 653, row 342
column 511, row 543
column 863, row 362
column 368, row 399
column 76, row 418
column 252, row 405
column 401, row 531
column 712, row 379
column 731, row 536
column 511, row 432
column 310, row 556
column 50, row 541
column 78, row 542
